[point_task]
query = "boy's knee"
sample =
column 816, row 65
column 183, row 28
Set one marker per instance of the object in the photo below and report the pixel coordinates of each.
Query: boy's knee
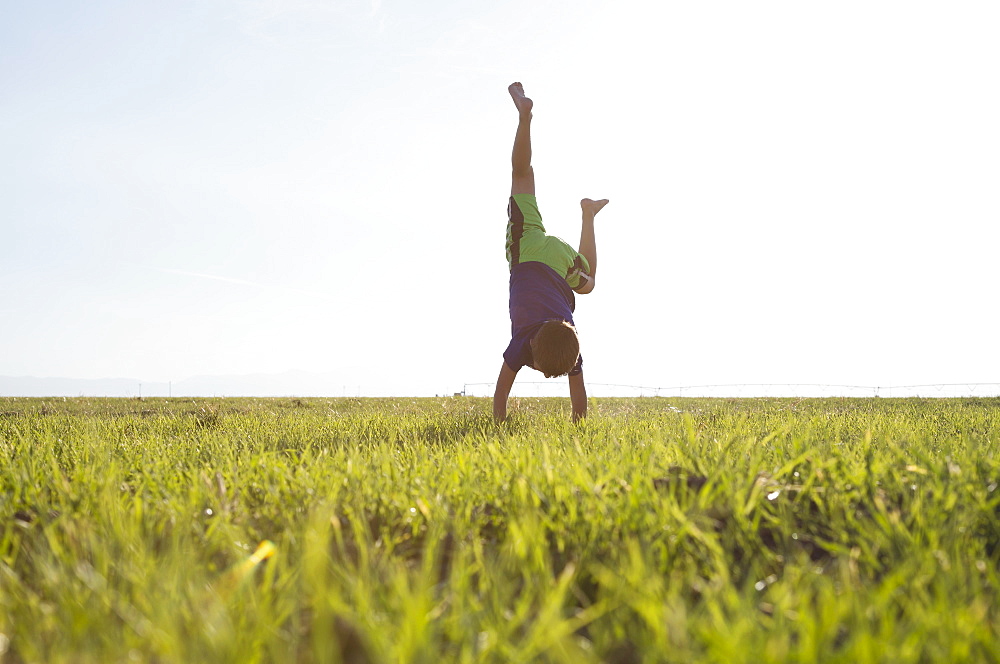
column 522, row 182
column 522, row 173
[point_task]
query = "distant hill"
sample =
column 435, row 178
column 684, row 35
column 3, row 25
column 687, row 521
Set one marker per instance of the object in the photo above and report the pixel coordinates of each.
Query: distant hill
column 350, row 382
column 30, row 386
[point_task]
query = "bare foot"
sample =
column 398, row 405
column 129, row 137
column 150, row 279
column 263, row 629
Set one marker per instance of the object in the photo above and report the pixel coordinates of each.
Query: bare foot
column 523, row 104
column 593, row 207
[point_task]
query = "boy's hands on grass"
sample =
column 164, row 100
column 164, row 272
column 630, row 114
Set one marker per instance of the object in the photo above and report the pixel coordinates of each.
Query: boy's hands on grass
column 504, row 382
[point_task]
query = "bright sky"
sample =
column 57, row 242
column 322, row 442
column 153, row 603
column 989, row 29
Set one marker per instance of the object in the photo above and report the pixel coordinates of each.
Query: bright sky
column 800, row 192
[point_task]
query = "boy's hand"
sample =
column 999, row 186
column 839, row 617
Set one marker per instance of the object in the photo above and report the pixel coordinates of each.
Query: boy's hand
column 578, row 396
column 504, row 382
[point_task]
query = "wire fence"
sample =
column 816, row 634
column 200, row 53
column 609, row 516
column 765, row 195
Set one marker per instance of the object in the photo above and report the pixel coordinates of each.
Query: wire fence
column 743, row 390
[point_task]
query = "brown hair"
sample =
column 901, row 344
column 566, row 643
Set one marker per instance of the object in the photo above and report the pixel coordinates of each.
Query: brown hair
column 556, row 348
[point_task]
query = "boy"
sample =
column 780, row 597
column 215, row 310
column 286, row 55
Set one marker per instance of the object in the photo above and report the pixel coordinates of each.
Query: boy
column 544, row 272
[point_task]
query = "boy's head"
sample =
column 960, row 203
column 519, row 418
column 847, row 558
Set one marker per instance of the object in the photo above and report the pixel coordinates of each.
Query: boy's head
column 555, row 348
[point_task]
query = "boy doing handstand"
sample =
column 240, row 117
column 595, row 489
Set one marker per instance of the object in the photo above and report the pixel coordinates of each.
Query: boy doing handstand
column 544, row 273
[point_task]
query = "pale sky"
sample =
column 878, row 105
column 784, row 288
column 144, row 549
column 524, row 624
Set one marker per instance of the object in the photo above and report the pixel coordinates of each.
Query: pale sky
column 800, row 192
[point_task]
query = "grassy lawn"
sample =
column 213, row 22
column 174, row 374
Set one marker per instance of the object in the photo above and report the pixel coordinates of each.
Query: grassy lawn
column 416, row 530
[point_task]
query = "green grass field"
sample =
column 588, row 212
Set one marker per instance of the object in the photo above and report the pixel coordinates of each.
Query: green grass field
column 416, row 530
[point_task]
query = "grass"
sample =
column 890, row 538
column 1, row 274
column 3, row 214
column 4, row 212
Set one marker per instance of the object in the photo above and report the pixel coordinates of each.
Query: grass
column 415, row 530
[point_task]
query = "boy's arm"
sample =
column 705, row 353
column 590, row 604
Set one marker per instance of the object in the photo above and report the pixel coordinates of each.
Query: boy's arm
column 578, row 396
column 504, row 382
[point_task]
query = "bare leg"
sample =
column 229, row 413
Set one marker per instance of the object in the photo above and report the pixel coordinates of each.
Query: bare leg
column 522, row 175
column 588, row 244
